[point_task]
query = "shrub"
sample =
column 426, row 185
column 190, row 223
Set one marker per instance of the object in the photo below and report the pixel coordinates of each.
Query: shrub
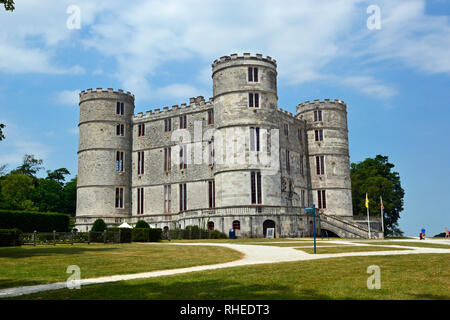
column 99, row 225
column 10, row 237
column 28, row 221
column 112, row 234
column 155, row 235
column 141, row 234
column 141, row 224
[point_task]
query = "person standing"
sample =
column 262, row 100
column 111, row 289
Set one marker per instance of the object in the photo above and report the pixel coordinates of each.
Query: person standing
column 447, row 233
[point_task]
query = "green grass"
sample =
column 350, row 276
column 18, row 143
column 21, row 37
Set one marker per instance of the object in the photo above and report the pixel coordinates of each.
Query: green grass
column 324, row 250
column 298, row 244
column 409, row 244
column 402, row 277
column 239, row 240
column 25, row 265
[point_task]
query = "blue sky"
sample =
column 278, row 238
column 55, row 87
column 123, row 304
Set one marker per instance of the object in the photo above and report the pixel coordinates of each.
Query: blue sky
column 395, row 79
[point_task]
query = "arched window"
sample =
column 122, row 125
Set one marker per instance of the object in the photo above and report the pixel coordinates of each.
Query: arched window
column 236, row 225
column 211, row 225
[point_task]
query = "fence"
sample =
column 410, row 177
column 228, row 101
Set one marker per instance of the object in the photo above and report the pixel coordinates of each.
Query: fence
column 54, row 238
column 192, row 233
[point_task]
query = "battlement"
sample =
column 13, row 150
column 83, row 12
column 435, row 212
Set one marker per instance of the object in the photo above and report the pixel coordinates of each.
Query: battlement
column 245, row 56
column 109, row 90
column 317, row 102
column 195, row 104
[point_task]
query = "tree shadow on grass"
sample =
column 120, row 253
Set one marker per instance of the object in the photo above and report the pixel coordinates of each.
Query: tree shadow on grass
column 20, row 252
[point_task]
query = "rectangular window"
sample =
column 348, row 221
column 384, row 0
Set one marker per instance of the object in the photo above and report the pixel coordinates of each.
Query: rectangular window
column 119, row 198
column 140, row 200
column 167, row 198
column 141, row 130
column 211, row 116
column 120, row 108
column 167, row 159
column 253, row 100
column 318, row 115
column 183, row 122
column 140, row 167
column 286, row 129
column 211, row 194
column 183, row 156
column 183, row 197
column 120, row 129
column 288, row 162
column 255, row 180
column 300, row 136
column 301, row 166
column 318, row 135
column 321, row 199
column 119, row 161
column 320, row 165
column 167, row 125
column 254, row 139
column 252, row 74
column 211, row 153
column 303, row 198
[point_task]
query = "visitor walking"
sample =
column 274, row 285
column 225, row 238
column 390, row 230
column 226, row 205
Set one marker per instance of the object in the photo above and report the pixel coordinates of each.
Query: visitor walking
column 447, row 233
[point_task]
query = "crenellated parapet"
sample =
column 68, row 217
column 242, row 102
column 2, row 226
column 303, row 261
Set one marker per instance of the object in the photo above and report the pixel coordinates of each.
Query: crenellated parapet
column 109, row 93
column 196, row 104
column 245, row 59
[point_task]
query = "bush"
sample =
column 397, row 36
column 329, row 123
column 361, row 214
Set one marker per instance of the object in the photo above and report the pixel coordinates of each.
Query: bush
column 113, row 233
column 194, row 232
column 99, row 225
column 147, row 235
column 141, row 224
column 10, row 237
column 28, row 221
column 155, row 235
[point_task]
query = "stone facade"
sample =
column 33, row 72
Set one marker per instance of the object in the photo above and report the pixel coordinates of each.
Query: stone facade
column 250, row 183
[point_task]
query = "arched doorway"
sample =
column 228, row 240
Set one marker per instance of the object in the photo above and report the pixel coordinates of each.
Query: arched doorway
column 268, row 224
column 236, row 225
column 211, row 225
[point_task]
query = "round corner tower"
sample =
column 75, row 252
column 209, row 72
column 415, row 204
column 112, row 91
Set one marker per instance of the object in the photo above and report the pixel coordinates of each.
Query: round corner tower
column 245, row 108
column 104, row 157
column 328, row 147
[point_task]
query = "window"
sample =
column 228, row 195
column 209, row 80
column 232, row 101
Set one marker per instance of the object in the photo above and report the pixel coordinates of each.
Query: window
column 212, row 194
column 211, row 153
column 140, row 200
column 211, row 116
column 318, row 115
column 320, row 165
column 141, row 130
column 321, row 199
column 119, row 198
column 254, row 139
column 253, row 100
column 300, row 136
column 252, row 74
column 210, row 225
column 236, row 225
column 301, row 166
column 120, row 129
column 183, row 197
column 167, row 159
column 255, row 180
column 167, row 198
column 183, row 157
column 288, row 162
column 120, row 108
column 286, row 129
column 318, row 135
column 183, row 122
column 140, row 167
column 303, row 198
column 167, row 125
column 119, row 161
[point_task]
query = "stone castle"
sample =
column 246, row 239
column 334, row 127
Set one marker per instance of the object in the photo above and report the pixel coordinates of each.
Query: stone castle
column 233, row 161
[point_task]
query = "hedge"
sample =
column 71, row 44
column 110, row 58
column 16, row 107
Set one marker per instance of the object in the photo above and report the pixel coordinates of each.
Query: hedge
column 27, row 221
column 10, row 237
column 194, row 232
column 125, row 234
column 147, row 235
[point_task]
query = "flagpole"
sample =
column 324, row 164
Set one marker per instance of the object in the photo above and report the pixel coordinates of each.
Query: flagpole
column 382, row 215
column 368, row 219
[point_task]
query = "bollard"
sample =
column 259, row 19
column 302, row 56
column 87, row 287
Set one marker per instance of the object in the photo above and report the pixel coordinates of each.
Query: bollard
column 54, row 238
column 34, row 237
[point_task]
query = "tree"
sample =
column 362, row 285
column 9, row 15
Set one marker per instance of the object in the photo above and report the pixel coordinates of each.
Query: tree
column 142, row 224
column 16, row 190
column 99, row 225
column 69, row 197
column 47, row 195
column 30, row 166
column 2, row 136
column 9, row 4
column 58, row 175
column 375, row 176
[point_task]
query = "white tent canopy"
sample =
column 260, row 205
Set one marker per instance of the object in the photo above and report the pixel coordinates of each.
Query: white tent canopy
column 125, row 225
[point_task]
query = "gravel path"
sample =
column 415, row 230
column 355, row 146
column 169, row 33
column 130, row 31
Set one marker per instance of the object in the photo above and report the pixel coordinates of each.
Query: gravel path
column 254, row 254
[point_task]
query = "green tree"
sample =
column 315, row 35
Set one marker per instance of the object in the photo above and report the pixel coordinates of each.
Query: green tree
column 58, row 175
column 9, row 4
column 376, row 177
column 99, row 225
column 2, row 136
column 69, row 197
column 47, row 195
column 30, row 166
column 142, row 224
column 16, row 191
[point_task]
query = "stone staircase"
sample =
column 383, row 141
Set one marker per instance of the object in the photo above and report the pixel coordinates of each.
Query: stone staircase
column 346, row 228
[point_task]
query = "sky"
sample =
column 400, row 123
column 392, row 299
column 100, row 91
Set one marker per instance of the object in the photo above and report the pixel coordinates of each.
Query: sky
column 392, row 69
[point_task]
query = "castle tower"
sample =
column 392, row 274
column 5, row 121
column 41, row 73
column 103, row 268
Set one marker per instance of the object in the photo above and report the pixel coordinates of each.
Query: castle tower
column 329, row 159
column 104, row 157
column 245, row 108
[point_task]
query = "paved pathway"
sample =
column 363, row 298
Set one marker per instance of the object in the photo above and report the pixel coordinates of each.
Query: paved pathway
column 253, row 254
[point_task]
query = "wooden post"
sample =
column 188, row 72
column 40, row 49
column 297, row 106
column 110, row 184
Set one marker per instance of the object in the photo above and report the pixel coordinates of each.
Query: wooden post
column 104, row 237
column 14, row 240
column 72, row 236
column 89, row 237
column 54, row 238
column 119, row 237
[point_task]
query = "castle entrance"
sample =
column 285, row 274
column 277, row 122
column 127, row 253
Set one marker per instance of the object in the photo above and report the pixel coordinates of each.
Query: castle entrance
column 268, row 224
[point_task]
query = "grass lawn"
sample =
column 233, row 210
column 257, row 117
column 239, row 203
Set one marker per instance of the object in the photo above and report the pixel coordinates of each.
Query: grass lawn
column 239, row 240
column 29, row 265
column 299, row 244
column 402, row 277
column 410, row 244
column 348, row 249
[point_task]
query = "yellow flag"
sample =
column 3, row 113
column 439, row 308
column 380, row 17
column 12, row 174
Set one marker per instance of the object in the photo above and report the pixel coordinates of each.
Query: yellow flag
column 367, row 201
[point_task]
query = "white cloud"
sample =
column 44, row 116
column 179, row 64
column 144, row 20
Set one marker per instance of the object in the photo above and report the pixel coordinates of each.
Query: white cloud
column 369, row 86
column 178, row 91
column 73, row 130
column 68, row 97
